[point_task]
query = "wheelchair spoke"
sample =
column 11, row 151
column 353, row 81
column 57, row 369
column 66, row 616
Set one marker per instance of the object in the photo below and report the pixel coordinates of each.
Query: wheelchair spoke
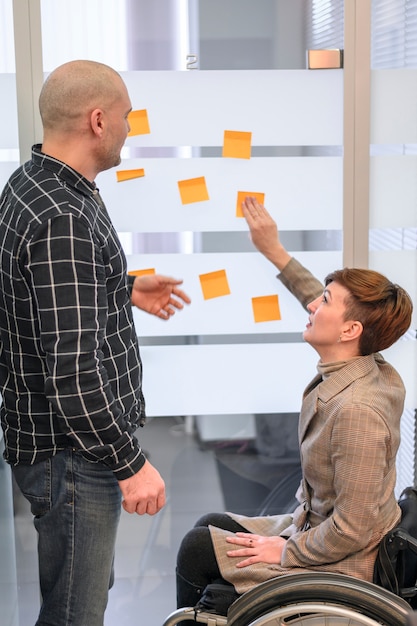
column 314, row 614
column 318, row 599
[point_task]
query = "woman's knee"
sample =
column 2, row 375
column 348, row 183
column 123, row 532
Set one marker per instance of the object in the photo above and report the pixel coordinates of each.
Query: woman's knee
column 196, row 560
column 194, row 541
column 205, row 520
column 220, row 520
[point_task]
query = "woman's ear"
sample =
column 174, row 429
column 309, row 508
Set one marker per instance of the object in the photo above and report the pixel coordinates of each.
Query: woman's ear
column 352, row 329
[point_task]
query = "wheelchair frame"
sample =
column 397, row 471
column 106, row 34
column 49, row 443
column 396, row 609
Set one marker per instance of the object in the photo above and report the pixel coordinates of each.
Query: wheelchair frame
column 312, row 599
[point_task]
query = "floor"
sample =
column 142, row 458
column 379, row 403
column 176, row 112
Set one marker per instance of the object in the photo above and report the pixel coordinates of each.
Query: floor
column 200, row 477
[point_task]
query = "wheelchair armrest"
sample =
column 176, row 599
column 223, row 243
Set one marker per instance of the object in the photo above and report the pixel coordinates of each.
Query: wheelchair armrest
column 397, row 540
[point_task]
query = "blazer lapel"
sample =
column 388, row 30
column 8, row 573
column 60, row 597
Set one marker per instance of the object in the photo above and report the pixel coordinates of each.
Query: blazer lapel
column 309, row 406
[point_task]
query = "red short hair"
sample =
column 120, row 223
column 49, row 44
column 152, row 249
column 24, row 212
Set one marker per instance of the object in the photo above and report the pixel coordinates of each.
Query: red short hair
column 383, row 308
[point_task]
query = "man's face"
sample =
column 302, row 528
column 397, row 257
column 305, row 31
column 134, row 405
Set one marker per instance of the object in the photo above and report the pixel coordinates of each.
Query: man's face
column 116, row 129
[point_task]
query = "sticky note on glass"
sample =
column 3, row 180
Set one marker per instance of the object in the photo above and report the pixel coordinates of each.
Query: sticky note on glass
column 214, row 284
column 193, row 190
column 266, row 308
column 242, row 195
column 237, row 144
column 123, row 175
column 138, row 122
column 150, row 270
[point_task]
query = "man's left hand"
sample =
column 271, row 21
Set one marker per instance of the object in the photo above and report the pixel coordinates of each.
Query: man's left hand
column 158, row 295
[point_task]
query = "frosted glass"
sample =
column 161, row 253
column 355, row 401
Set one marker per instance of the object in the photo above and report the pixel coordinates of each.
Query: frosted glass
column 393, row 192
column 249, row 275
column 279, row 107
column 8, row 577
column 394, row 106
column 405, row 457
column 303, row 193
column 8, row 112
column 403, row 356
column 393, row 201
column 223, row 379
column 244, row 378
column 6, row 169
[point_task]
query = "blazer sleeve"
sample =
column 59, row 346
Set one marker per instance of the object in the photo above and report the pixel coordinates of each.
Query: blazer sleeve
column 300, row 282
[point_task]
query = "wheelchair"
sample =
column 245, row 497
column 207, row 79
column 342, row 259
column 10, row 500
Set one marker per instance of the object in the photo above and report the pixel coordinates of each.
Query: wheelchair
column 328, row 599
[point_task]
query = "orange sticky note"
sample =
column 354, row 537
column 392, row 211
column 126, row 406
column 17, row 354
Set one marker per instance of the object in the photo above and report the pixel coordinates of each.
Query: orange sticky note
column 266, row 308
column 138, row 122
column 237, row 144
column 242, row 195
column 123, row 175
column 150, row 270
column 193, row 190
column 214, row 284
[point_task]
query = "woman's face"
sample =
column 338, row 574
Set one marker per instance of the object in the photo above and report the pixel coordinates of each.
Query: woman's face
column 326, row 321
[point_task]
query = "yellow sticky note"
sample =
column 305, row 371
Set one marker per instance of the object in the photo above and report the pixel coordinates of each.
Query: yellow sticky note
column 266, row 308
column 237, row 144
column 150, row 270
column 193, row 190
column 214, row 284
column 123, row 175
column 242, row 195
column 138, row 122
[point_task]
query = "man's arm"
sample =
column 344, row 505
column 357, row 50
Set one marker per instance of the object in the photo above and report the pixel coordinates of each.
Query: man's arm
column 67, row 277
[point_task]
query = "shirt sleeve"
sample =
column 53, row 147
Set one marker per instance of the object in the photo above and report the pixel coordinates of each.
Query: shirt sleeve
column 130, row 281
column 68, row 279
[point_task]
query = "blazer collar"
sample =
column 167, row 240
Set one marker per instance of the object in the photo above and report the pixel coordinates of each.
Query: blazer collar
column 331, row 380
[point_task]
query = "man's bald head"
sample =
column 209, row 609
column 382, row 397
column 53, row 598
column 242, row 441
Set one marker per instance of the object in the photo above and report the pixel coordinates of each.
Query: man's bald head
column 73, row 90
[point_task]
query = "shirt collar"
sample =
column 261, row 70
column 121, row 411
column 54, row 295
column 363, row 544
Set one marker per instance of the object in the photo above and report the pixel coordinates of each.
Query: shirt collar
column 70, row 176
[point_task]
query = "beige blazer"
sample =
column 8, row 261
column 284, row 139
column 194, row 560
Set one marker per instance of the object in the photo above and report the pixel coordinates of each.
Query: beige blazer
column 349, row 433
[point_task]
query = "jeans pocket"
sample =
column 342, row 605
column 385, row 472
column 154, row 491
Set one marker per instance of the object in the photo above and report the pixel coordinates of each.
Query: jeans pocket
column 34, row 481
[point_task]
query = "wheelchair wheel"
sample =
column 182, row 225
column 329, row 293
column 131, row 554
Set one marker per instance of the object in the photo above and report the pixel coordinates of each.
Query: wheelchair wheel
column 318, row 599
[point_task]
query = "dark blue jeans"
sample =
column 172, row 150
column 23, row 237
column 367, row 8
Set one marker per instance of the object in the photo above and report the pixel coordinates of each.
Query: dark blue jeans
column 76, row 507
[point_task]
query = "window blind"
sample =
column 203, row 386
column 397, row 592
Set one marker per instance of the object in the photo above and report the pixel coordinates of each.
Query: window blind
column 325, row 24
column 394, row 34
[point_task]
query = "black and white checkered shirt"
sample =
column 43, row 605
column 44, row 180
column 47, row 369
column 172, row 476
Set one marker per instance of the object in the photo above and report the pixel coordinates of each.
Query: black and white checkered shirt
column 70, row 370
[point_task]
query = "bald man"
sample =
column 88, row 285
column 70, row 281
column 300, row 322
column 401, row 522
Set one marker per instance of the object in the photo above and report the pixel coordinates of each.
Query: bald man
column 70, row 369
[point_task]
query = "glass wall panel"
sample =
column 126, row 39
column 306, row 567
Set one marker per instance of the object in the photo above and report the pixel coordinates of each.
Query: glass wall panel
column 9, row 157
column 226, row 82
column 393, row 191
column 99, row 35
column 310, row 114
column 9, row 143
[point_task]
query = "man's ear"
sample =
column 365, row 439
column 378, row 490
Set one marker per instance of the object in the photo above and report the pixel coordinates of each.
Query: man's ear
column 97, row 121
column 352, row 329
